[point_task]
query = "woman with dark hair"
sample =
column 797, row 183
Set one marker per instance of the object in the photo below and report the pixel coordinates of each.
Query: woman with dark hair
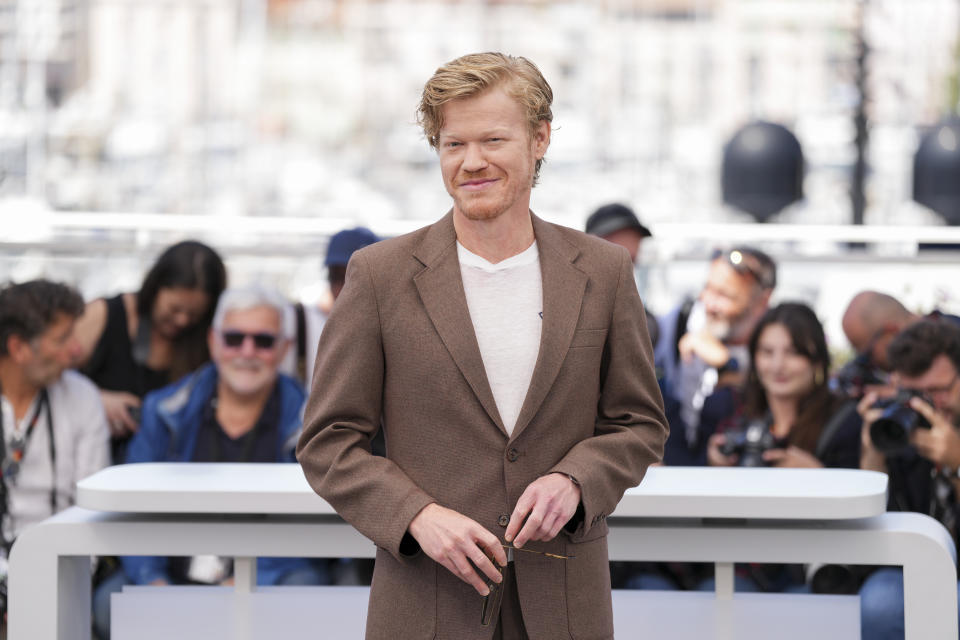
column 786, row 392
column 785, row 416
column 134, row 343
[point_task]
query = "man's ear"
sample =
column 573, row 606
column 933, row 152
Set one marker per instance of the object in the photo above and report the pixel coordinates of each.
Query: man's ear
column 764, row 297
column 283, row 348
column 18, row 348
column 541, row 139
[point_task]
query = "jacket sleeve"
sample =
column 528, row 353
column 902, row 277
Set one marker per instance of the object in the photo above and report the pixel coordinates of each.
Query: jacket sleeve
column 631, row 428
column 343, row 414
column 148, row 444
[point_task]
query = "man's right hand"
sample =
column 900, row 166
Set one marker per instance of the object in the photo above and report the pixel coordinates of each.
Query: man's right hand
column 715, row 458
column 454, row 540
column 117, row 405
column 870, row 458
column 705, row 346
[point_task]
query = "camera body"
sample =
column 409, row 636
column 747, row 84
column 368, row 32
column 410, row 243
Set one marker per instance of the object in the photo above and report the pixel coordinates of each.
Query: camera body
column 854, row 377
column 750, row 443
column 890, row 433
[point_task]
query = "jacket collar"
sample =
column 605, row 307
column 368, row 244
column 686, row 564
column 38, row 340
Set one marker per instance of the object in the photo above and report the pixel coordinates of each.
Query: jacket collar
column 441, row 289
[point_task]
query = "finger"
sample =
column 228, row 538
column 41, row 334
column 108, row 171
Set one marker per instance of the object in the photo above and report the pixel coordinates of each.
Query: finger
column 923, row 408
column 868, row 401
column 459, row 567
column 546, row 532
column 555, row 529
column 774, row 455
column 530, row 527
column 520, row 512
column 482, row 562
column 491, row 545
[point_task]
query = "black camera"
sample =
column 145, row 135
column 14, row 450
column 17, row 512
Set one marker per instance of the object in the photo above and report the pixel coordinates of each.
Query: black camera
column 750, row 443
column 854, row 377
column 890, row 432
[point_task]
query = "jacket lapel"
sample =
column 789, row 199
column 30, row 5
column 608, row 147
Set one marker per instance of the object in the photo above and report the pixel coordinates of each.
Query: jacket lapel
column 563, row 289
column 441, row 289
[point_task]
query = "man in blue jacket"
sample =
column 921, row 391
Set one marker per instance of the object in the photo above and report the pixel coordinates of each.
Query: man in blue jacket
column 239, row 408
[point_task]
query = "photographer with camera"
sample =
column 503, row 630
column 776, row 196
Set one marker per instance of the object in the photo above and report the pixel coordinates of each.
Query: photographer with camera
column 784, row 416
column 913, row 437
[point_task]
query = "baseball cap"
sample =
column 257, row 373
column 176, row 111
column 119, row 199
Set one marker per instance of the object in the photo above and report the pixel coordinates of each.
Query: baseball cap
column 343, row 243
column 614, row 217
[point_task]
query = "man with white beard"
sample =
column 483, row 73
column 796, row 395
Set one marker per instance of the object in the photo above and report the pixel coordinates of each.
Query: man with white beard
column 239, row 408
column 703, row 342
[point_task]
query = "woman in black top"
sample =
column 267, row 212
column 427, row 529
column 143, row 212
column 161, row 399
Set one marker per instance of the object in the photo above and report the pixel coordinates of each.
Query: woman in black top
column 787, row 393
column 134, row 343
column 786, row 398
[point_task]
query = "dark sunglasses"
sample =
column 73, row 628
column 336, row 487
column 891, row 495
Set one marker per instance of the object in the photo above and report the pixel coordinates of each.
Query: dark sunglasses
column 261, row 340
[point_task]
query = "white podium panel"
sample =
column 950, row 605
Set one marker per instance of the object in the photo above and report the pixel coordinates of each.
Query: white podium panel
column 339, row 613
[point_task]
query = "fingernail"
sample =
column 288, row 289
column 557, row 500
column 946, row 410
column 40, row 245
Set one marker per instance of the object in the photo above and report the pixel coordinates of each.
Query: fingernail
column 508, row 538
column 485, row 592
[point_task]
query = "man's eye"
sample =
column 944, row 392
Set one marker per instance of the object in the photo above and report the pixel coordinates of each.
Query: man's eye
column 451, row 144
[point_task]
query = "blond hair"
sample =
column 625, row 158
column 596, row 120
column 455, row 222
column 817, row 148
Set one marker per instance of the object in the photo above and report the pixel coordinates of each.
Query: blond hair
column 475, row 73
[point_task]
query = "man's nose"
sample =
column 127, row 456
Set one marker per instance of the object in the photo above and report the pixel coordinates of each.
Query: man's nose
column 247, row 347
column 474, row 159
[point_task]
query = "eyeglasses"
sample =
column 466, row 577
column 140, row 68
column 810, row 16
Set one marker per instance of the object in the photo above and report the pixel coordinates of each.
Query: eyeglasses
column 491, row 601
column 747, row 263
column 933, row 391
column 261, row 340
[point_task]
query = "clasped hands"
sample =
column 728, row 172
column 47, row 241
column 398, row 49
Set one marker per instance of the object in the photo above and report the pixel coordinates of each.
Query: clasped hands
column 456, row 541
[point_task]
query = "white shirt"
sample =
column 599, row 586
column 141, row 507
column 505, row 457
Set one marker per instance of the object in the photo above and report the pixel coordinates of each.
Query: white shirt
column 82, row 442
column 506, row 307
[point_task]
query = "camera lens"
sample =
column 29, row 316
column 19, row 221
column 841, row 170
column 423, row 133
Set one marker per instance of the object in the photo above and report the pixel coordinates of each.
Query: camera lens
column 889, row 435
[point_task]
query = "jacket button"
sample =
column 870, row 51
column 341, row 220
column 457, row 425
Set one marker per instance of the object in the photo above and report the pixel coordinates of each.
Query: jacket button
column 503, row 521
column 512, row 455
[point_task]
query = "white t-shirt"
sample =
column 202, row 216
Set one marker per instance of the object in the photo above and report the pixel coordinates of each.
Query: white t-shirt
column 82, row 442
column 506, row 306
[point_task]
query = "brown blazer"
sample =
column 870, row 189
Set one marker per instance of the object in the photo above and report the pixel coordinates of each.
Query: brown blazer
column 400, row 348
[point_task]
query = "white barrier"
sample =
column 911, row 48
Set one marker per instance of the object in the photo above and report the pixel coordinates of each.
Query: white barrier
column 693, row 514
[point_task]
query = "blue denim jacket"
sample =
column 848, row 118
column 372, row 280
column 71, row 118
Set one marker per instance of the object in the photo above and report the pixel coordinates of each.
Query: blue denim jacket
column 170, row 421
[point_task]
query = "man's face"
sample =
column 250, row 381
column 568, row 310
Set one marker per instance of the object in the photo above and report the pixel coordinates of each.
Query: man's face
column 46, row 356
column 731, row 300
column 941, row 383
column 177, row 309
column 629, row 239
column 487, row 154
column 247, row 349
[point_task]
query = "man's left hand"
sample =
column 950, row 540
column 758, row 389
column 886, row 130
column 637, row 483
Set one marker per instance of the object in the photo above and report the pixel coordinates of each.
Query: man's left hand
column 545, row 506
column 940, row 443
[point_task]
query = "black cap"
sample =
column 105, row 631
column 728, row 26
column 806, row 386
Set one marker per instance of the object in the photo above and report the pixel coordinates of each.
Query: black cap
column 614, row 217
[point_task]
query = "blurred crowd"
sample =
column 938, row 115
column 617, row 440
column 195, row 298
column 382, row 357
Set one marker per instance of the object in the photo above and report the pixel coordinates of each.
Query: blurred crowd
column 187, row 369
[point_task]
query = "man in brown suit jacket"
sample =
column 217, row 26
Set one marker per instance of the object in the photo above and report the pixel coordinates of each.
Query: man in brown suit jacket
column 468, row 470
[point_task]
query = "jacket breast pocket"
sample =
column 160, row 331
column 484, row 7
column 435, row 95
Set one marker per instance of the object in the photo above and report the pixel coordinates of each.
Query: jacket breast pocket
column 588, row 338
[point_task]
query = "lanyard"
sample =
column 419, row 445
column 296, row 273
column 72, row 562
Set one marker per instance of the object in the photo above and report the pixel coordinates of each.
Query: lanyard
column 10, row 461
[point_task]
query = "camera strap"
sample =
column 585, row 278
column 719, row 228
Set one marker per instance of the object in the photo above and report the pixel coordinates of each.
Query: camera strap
column 10, row 460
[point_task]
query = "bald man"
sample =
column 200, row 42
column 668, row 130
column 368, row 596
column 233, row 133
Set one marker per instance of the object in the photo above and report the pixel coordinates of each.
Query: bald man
column 871, row 321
